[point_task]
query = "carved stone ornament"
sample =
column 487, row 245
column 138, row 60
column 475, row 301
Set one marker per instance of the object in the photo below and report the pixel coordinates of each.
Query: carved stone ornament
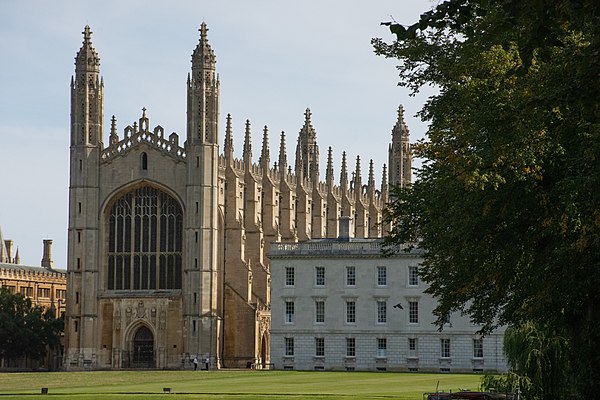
column 141, row 310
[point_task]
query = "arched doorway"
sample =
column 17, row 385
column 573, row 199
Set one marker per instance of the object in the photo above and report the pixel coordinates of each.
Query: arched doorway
column 263, row 352
column 143, row 348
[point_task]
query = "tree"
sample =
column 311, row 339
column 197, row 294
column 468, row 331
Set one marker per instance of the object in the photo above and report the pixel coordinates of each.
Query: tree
column 507, row 201
column 26, row 330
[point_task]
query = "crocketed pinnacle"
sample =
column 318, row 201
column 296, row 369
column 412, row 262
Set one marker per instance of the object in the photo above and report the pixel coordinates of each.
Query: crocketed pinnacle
column 87, row 59
column 282, row 154
column 228, row 146
column 400, row 130
column 344, row 172
column 371, row 179
column 247, row 150
column 299, row 167
column 265, row 157
column 203, row 55
column 357, row 175
column 329, row 172
column 114, row 137
column 384, row 185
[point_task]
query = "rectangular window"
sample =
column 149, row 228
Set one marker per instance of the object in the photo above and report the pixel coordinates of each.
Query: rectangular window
column 319, row 347
column 350, row 347
column 478, row 348
column 289, row 276
column 319, row 276
column 381, row 347
column 289, row 346
column 381, row 276
column 445, row 348
column 381, row 312
column 27, row 291
column 350, row 312
column 350, row 276
column 413, row 312
column 413, row 276
column 44, row 292
column 412, row 346
column 319, row 311
column 289, row 312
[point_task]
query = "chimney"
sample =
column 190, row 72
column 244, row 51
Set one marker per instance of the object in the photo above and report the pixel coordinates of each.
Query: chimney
column 47, row 257
column 345, row 223
column 9, row 245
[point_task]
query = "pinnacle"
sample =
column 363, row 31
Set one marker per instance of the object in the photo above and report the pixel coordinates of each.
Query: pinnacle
column 87, row 59
column 87, row 34
column 203, row 55
column 203, row 30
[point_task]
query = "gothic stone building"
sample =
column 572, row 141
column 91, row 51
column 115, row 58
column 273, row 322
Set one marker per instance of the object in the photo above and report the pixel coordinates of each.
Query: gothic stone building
column 168, row 240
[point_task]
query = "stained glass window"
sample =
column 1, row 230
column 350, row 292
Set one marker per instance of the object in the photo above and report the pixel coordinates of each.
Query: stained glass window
column 145, row 235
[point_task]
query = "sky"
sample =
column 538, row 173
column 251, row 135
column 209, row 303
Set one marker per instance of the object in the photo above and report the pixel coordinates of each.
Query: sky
column 275, row 58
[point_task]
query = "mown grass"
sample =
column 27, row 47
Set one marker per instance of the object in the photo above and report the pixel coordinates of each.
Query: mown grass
column 229, row 385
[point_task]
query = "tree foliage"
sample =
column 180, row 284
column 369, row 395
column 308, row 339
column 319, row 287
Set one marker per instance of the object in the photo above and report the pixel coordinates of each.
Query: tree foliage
column 26, row 330
column 539, row 357
column 507, row 201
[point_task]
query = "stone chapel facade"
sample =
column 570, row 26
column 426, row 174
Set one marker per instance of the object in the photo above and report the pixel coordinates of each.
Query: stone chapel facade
column 167, row 241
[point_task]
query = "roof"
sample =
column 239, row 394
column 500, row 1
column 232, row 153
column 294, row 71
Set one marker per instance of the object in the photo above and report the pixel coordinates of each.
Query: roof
column 31, row 269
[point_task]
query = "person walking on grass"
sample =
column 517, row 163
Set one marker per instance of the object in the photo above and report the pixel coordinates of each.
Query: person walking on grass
column 195, row 363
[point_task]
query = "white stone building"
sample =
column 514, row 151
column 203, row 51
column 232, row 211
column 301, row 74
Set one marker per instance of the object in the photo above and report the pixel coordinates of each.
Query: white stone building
column 340, row 305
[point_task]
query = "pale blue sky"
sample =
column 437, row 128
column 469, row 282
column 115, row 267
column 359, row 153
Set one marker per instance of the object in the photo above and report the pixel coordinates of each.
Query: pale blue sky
column 275, row 58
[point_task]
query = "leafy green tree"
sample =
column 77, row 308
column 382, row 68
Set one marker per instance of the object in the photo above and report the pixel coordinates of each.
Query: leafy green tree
column 507, row 201
column 26, row 330
column 539, row 355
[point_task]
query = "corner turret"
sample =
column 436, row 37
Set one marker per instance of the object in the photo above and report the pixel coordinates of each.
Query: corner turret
column 87, row 96
column 203, row 94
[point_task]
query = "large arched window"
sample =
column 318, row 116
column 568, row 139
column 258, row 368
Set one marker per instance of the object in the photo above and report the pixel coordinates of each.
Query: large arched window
column 145, row 230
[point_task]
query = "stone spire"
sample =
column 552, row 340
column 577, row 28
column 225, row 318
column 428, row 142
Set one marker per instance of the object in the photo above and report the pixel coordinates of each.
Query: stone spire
column 247, row 151
column 307, row 138
column 203, row 55
column 282, row 155
column 114, row 136
column 87, row 96
column 329, row 172
column 400, row 161
column 299, row 160
column 265, row 157
column 371, row 180
column 17, row 257
column 357, row 176
column 344, row 173
column 203, row 102
column 384, row 184
column 228, row 146
column 87, row 59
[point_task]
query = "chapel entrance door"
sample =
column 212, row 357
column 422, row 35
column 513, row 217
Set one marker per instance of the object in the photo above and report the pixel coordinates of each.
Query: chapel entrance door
column 143, row 348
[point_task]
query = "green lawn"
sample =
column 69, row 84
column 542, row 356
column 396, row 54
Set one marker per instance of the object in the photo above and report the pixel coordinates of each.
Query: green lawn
column 229, row 385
